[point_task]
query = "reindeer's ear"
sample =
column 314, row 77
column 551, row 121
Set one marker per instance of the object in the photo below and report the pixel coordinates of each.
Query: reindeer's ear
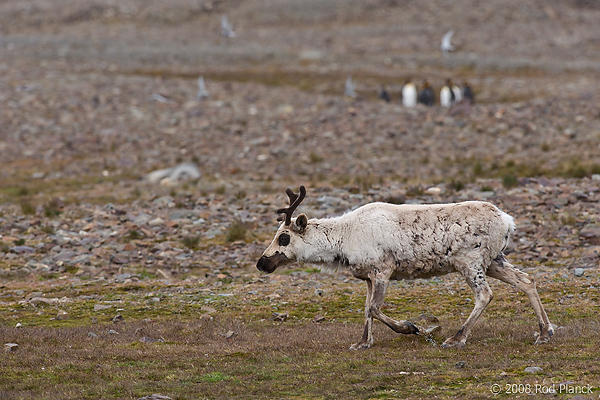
column 301, row 222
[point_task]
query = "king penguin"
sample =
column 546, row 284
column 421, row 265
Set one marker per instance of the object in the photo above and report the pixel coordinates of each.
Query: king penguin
column 468, row 93
column 447, row 94
column 426, row 95
column 384, row 94
column 409, row 94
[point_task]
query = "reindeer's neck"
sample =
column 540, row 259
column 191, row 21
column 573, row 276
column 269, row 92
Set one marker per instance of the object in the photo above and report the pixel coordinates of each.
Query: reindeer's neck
column 325, row 237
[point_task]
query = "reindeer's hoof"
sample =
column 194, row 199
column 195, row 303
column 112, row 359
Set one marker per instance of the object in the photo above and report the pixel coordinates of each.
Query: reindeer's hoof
column 360, row 346
column 411, row 329
column 544, row 336
column 542, row 340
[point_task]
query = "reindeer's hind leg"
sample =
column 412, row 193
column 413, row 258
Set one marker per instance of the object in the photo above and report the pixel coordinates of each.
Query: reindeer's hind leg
column 483, row 295
column 375, row 294
column 504, row 271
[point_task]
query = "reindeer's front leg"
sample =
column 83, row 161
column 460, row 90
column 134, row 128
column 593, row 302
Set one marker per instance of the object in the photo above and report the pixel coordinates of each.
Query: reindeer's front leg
column 379, row 288
column 375, row 294
column 367, row 338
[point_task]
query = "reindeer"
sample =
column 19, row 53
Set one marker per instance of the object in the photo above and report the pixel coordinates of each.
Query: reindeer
column 379, row 242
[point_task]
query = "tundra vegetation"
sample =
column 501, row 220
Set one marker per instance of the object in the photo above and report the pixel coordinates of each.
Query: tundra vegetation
column 114, row 288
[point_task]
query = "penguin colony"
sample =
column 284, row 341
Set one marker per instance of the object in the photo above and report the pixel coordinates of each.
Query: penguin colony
column 449, row 94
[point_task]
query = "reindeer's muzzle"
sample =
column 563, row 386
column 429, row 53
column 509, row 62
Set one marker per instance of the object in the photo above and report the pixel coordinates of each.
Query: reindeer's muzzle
column 270, row 264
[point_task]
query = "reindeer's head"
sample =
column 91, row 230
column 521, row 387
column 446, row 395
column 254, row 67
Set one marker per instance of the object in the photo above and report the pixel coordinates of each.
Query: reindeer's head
column 284, row 247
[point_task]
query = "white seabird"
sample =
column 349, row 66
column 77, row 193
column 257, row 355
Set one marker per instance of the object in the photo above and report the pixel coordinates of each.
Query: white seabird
column 446, row 45
column 202, row 92
column 350, row 89
column 226, row 28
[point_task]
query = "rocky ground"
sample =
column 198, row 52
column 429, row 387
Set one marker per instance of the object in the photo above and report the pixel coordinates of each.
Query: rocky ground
column 96, row 95
column 119, row 284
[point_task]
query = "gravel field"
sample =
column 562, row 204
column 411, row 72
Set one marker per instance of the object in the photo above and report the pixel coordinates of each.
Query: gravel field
column 95, row 95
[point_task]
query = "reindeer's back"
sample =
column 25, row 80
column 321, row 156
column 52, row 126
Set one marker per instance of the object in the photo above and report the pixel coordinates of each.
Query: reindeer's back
column 426, row 240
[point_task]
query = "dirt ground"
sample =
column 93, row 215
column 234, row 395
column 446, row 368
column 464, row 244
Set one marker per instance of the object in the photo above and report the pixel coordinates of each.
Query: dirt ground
column 94, row 95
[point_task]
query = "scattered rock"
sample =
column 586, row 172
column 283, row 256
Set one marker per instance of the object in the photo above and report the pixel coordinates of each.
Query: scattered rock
column 460, row 364
column 147, row 339
column 101, row 307
column 11, row 346
column 179, row 173
column 118, row 318
column 18, row 325
column 43, row 300
column 207, row 309
column 229, row 334
column 155, row 397
column 112, row 332
column 590, row 234
column 156, row 222
column 427, row 319
column 533, row 370
column 163, row 273
column 579, row 272
column 62, row 315
column 318, row 318
column 92, row 335
column 22, row 249
column 279, row 317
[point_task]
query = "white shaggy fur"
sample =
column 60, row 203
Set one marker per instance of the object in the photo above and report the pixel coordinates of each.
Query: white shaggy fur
column 381, row 241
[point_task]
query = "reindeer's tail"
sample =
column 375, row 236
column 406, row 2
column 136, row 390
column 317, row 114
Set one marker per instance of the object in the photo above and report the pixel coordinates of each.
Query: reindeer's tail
column 510, row 227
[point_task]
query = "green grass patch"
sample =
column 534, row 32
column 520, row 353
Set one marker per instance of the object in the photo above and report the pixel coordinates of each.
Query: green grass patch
column 241, row 353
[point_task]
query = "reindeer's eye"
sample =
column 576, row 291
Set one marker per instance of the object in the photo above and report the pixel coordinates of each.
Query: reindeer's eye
column 284, row 239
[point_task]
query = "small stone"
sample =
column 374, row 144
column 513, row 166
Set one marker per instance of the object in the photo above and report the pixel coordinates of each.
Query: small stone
column 155, row 397
column 62, row 315
column 428, row 319
column 11, row 346
column 100, row 307
column 279, row 317
column 208, row 310
column 590, row 234
column 112, row 332
column 118, row 318
column 579, row 272
column 460, row 364
column 230, row 334
column 22, row 249
column 319, row 292
column 318, row 318
column 433, row 191
column 117, row 259
column 37, row 300
column 156, row 222
column 533, row 370
column 92, row 335
column 147, row 339
column 163, row 273
column 19, row 325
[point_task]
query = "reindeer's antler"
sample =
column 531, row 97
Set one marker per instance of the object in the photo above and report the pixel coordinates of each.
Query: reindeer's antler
column 295, row 200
